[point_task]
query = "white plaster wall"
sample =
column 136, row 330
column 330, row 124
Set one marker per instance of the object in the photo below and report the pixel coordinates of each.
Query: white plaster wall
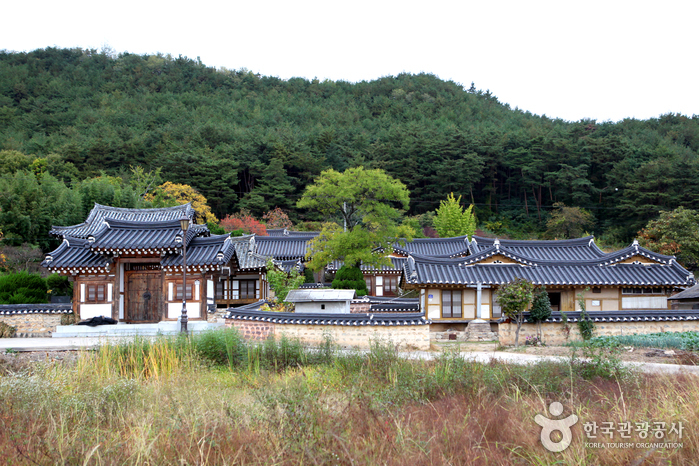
column 88, row 311
column 174, row 310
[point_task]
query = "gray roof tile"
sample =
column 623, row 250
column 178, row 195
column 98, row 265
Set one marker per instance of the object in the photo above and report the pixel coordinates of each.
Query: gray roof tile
column 101, row 212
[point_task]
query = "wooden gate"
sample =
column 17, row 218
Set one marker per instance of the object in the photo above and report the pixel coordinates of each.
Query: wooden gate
column 143, row 297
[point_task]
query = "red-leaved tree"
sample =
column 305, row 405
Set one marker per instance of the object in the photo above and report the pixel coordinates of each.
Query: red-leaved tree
column 244, row 222
column 277, row 218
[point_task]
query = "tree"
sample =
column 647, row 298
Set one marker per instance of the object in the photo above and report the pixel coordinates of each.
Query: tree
column 282, row 282
column 243, row 221
column 350, row 278
column 277, row 218
column 30, row 206
column 452, row 220
column 541, row 309
column 568, row 222
column 368, row 203
column 171, row 194
column 674, row 233
column 514, row 297
column 273, row 191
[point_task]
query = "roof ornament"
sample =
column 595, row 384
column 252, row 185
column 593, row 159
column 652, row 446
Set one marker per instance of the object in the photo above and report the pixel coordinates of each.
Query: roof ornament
column 592, row 241
column 252, row 244
column 178, row 239
column 48, row 259
column 496, row 243
column 286, row 232
column 635, row 244
column 219, row 256
column 90, row 239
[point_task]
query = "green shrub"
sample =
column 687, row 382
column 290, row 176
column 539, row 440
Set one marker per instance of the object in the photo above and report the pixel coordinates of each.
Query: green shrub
column 350, row 278
column 59, row 285
column 23, row 288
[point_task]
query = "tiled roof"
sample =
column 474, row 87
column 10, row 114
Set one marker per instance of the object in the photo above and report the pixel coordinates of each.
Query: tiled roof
column 288, row 266
column 246, row 252
column 313, row 286
column 554, row 250
column 691, row 293
column 284, row 232
column 48, row 308
column 214, row 250
column 644, row 315
column 397, row 265
column 155, row 237
column 283, row 247
column 75, row 254
column 433, row 246
column 101, row 212
column 388, row 304
column 419, row 270
column 354, row 320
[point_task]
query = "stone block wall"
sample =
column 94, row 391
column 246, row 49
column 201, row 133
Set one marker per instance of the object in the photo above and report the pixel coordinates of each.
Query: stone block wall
column 251, row 330
column 33, row 325
column 555, row 333
column 407, row 337
column 360, row 308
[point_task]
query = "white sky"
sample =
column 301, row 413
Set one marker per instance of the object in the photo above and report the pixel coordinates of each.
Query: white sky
column 605, row 60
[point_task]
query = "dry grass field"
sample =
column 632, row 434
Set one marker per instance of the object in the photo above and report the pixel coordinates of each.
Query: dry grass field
column 215, row 400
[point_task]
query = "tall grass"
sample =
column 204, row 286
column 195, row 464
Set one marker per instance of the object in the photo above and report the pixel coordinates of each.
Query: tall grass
column 215, row 399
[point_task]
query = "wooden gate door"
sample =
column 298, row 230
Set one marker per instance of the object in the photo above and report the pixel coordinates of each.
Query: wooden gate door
column 143, row 297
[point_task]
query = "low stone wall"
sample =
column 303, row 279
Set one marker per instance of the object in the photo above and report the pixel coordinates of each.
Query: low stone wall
column 32, row 325
column 555, row 333
column 256, row 331
column 407, row 337
column 359, row 308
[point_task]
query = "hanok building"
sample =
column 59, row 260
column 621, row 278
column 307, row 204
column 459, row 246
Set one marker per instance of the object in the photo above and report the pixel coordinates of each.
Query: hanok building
column 462, row 286
column 127, row 264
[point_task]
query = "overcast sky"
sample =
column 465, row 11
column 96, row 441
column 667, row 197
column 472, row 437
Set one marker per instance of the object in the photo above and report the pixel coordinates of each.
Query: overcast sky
column 605, row 60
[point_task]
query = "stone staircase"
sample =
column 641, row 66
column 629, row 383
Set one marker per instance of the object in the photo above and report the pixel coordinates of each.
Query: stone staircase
column 122, row 329
column 479, row 330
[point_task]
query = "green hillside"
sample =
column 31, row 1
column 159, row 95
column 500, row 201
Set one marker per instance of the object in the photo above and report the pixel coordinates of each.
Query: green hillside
column 255, row 141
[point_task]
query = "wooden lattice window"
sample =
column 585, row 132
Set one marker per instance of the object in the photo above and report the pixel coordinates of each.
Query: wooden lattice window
column 451, row 303
column 95, row 293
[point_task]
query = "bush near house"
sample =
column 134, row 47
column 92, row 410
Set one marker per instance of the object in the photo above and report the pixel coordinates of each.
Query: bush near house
column 350, row 278
column 23, row 288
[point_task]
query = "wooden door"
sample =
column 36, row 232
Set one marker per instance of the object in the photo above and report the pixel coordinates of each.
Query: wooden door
column 143, row 297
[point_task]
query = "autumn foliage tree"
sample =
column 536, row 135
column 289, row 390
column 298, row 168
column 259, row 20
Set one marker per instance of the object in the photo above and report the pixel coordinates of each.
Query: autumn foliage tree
column 171, row 194
column 674, row 233
column 277, row 218
column 243, row 221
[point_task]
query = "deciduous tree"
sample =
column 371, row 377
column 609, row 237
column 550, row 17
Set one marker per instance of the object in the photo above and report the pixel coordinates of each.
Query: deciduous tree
column 514, row 298
column 171, row 194
column 452, row 220
column 674, row 233
column 568, row 222
column 368, row 204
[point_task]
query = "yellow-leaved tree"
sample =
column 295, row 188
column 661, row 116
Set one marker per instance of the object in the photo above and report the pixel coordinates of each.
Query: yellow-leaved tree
column 171, row 194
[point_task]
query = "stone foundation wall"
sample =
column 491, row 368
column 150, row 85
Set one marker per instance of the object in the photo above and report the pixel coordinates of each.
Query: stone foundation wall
column 407, row 337
column 360, row 308
column 33, row 325
column 256, row 331
column 555, row 334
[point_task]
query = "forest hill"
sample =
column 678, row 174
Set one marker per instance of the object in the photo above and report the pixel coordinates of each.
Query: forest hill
column 255, row 142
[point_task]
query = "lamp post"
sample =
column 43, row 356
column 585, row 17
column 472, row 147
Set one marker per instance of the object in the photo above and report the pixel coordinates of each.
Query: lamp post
column 184, row 224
